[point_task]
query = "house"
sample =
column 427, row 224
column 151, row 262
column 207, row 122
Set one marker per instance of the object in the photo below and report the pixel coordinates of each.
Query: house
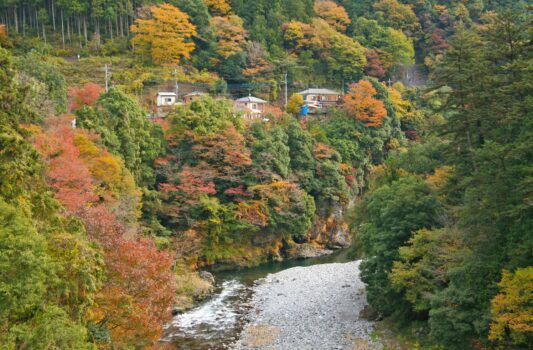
column 166, row 99
column 320, row 98
column 252, row 107
column 193, row 96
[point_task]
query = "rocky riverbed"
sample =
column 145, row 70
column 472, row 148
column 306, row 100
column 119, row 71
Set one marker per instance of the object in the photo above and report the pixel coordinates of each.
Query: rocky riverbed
column 314, row 307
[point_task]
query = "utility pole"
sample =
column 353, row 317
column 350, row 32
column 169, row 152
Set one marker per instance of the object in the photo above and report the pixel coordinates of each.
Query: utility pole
column 286, row 91
column 106, row 68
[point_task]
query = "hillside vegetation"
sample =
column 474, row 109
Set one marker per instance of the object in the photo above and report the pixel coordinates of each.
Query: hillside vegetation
column 107, row 214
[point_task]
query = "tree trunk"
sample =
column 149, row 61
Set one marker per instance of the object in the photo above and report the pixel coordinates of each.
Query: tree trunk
column 37, row 23
column 79, row 30
column 110, row 28
column 68, row 31
column 121, row 27
column 54, row 15
column 62, row 29
column 23, row 21
column 16, row 19
column 85, row 29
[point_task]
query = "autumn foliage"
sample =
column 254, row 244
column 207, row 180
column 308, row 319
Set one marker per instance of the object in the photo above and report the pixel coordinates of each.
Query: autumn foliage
column 360, row 103
column 96, row 187
column 218, row 7
column 334, row 14
column 230, row 34
column 84, row 96
column 512, row 310
column 165, row 36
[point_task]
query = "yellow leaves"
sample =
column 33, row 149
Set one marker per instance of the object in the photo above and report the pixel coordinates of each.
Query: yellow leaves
column 166, row 36
column 218, row 7
column 440, row 178
column 512, row 308
column 295, row 103
column 230, row 34
column 334, row 14
column 293, row 32
column 87, row 147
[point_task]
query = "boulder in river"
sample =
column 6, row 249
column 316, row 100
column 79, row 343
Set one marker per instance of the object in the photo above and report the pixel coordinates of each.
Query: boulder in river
column 306, row 251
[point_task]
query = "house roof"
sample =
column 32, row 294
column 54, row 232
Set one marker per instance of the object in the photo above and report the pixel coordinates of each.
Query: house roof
column 166, row 93
column 251, row 99
column 318, row 92
column 195, row 93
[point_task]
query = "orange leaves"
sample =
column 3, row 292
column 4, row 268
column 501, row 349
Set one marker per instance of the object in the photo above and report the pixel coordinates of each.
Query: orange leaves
column 135, row 301
column 230, row 34
column 253, row 212
column 360, row 102
column 512, row 310
column 84, row 96
column 335, row 15
column 166, row 36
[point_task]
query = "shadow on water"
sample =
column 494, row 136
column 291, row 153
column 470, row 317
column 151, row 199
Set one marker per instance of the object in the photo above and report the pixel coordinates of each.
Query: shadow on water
column 217, row 322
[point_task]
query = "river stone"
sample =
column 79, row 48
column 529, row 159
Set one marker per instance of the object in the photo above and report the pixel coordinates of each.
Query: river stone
column 308, row 308
column 207, row 276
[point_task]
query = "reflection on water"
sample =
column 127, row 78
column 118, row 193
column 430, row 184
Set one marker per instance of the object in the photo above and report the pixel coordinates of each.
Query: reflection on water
column 217, row 322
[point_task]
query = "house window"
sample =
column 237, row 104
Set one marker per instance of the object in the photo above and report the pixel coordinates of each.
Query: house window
column 168, row 99
column 254, row 106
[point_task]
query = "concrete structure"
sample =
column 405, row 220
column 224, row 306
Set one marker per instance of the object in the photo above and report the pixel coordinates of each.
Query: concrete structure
column 166, row 99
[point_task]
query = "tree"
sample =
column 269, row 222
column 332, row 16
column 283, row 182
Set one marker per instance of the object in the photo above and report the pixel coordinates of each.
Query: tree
column 165, row 36
column 85, row 96
column 374, row 66
column 125, row 131
column 334, row 14
column 396, row 15
column 219, row 7
column 230, row 35
column 50, row 271
column 388, row 218
column 295, row 103
column 360, row 102
column 511, row 309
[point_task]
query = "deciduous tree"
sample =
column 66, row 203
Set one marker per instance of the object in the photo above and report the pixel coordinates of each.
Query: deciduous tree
column 362, row 105
column 166, row 36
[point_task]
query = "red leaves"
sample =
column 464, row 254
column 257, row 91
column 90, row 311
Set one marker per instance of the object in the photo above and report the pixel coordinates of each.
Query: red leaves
column 139, row 286
column 237, row 192
column 85, row 96
column 66, row 172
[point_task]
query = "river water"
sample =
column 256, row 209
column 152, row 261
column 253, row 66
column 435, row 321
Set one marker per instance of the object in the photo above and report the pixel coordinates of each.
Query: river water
column 217, row 322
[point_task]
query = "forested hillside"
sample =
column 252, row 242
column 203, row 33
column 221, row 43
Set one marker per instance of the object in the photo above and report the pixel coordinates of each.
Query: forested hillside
column 111, row 204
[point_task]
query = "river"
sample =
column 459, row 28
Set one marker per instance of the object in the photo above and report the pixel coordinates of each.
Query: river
column 217, row 322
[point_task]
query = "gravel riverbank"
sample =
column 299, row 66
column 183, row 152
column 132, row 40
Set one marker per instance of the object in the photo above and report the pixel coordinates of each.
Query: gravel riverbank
column 315, row 307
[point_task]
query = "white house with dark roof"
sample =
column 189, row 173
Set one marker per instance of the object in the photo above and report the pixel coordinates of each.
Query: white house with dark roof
column 320, row 98
column 252, row 107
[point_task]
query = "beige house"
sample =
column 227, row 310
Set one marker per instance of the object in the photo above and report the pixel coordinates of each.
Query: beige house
column 251, row 107
column 320, row 98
